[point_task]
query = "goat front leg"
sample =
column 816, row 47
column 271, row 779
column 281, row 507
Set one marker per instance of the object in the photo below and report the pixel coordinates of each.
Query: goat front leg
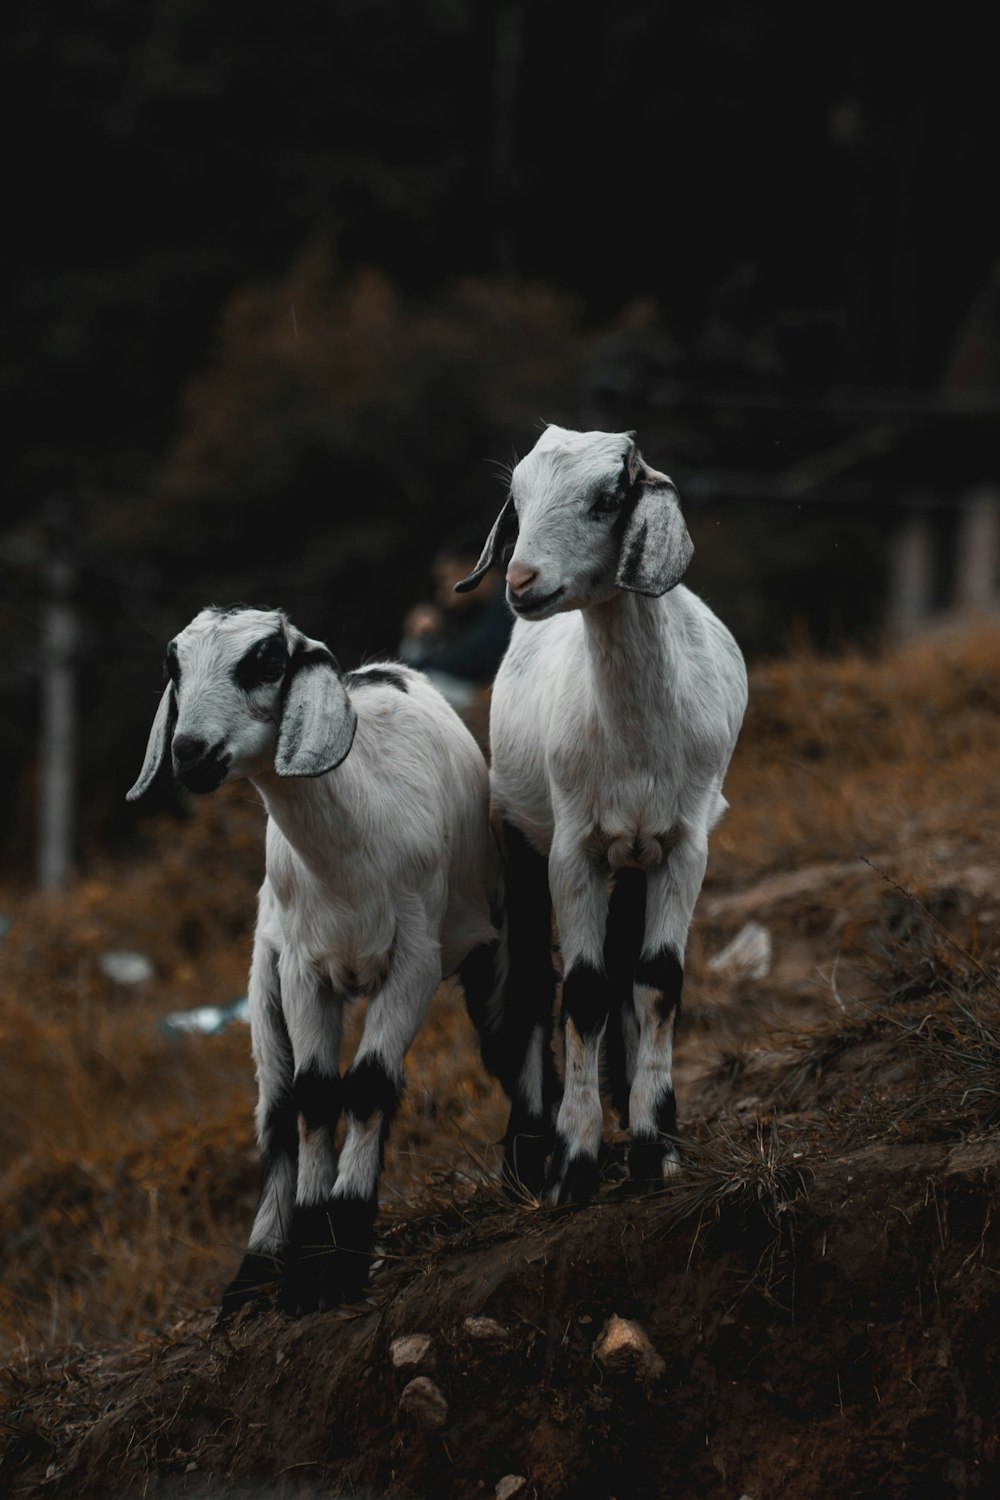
column 314, row 1014
column 373, row 1086
column 580, row 896
column 334, row 1267
column 623, row 940
column 277, row 1137
column 672, row 891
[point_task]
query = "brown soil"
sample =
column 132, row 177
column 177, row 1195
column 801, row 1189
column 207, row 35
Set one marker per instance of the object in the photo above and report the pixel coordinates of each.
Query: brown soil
column 816, row 1298
column 821, row 1291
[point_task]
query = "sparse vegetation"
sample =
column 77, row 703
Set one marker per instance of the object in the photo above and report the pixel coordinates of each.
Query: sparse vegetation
column 864, row 1067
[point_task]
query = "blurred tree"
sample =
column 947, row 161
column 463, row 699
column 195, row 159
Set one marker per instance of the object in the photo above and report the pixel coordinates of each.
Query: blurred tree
column 280, row 280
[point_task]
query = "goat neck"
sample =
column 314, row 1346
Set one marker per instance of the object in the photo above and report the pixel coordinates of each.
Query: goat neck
column 319, row 816
column 631, row 650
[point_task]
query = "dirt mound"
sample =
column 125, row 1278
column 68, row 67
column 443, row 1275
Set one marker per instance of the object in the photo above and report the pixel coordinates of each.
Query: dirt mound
column 841, row 1341
column 810, row 1309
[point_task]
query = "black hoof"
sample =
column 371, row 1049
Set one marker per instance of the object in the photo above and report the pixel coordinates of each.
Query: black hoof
column 252, row 1285
column 328, row 1265
column 650, row 1163
column 571, row 1183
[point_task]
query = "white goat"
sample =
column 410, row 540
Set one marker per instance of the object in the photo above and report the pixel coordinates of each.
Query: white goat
column 383, row 876
column 614, row 715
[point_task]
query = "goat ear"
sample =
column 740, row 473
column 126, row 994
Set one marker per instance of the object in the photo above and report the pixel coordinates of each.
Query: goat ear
column 158, row 744
column 317, row 718
column 504, row 531
column 656, row 548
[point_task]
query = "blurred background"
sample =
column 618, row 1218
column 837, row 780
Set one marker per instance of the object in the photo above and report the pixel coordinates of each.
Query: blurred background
column 287, row 286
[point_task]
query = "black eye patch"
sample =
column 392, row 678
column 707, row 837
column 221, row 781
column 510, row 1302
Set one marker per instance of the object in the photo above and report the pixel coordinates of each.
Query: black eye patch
column 171, row 666
column 610, row 499
column 263, row 663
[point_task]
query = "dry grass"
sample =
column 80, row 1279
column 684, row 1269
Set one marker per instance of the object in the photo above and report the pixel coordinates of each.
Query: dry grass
column 130, row 1172
column 849, row 757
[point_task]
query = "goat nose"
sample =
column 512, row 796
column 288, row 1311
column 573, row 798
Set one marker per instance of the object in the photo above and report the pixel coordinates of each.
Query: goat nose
column 188, row 749
column 519, row 575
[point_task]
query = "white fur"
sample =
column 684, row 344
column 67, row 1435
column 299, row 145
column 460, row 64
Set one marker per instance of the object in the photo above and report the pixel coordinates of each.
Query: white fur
column 382, row 873
column 614, row 716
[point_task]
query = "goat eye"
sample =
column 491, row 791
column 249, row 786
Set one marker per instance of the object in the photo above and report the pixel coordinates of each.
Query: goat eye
column 171, row 668
column 606, row 505
column 271, row 661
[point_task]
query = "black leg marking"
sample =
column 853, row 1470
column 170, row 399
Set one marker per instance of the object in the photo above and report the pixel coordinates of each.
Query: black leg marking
column 254, row 1279
column 368, row 1087
column 317, row 1098
column 622, row 947
column 586, row 998
column 332, row 1255
column 308, row 1281
column 663, row 972
column 353, row 1231
column 527, row 1014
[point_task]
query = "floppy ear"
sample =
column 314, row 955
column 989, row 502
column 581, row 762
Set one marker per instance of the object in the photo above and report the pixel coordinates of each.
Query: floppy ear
column 158, row 744
column 317, row 719
column 504, row 531
column 656, row 547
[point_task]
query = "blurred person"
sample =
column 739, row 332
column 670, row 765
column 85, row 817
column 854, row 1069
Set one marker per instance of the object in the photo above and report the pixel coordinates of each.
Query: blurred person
column 458, row 639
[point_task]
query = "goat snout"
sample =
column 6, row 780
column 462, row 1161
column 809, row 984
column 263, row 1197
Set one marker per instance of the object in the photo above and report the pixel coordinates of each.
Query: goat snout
column 188, row 749
column 198, row 766
column 520, row 577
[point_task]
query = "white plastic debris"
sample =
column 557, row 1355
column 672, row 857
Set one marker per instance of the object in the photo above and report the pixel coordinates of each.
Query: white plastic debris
column 207, row 1019
column 748, row 955
column 125, row 967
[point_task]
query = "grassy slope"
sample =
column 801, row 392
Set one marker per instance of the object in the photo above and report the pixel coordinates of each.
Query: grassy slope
column 129, row 1168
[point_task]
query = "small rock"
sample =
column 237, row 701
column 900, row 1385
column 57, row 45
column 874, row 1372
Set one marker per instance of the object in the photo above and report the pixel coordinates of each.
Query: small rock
column 411, row 1349
column 424, row 1402
column 623, row 1345
column 485, row 1328
column 509, row 1485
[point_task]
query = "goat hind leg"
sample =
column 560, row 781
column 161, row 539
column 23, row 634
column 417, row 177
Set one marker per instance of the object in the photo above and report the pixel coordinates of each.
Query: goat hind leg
column 522, row 1051
column 671, row 895
column 580, row 894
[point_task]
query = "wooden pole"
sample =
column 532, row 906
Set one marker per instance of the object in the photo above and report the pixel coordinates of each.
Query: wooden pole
column 60, row 633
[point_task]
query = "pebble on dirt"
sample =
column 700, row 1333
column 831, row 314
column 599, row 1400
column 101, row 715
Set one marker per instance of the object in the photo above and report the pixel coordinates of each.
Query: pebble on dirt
column 623, row 1346
column 411, row 1349
column 423, row 1401
column 509, row 1486
column 485, row 1328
